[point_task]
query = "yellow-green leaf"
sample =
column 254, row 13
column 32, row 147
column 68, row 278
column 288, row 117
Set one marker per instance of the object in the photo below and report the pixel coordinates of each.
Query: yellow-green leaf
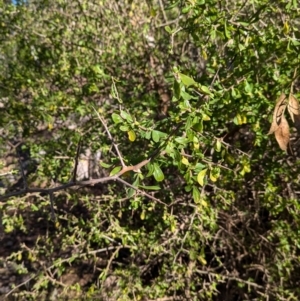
column 286, row 27
column 204, row 90
column 214, row 174
column 240, row 119
column 185, row 161
column 218, row 145
column 202, row 260
column 201, row 175
column 203, row 203
column 205, row 117
column 186, row 80
column 131, row 135
column 115, row 170
column 213, row 177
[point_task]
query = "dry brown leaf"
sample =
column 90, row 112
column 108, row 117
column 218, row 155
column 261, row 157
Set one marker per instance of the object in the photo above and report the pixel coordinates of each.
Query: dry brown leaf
column 278, row 113
column 294, row 110
column 282, row 134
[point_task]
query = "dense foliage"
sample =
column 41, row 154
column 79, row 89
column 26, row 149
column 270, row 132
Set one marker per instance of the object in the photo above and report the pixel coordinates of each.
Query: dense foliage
column 91, row 89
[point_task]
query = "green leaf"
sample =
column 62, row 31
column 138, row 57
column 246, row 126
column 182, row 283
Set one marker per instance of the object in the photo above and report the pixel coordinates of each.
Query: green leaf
column 116, row 118
column 203, row 89
column 150, row 169
column 229, row 158
column 155, row 136
column 131, row 192
column 227, row 33
column 199, row 126
column 182, row 140
column 105, row 165
column 201, row 175
column 196, row 194
column 186, row 9
column 150, row 187
column 126, row 116
column 168, row 29
column 176, row 89
column 124, row 128
column 186, row 80
column 158, row 174
column 187, row 96
column 218, row 145
column 115, row 170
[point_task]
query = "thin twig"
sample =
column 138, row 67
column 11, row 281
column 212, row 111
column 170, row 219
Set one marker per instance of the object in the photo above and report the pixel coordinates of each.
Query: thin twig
column 111, row 138
column 225, row 277
column 140, row 191
column 110, row 260
column 163, row 10
column 21, row 284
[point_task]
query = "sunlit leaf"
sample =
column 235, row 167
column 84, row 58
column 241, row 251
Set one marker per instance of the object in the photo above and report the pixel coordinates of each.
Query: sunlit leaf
column 116, row 118
column 155, row 136
column 214, row 174
column 218, row 145
column 201, row 175
column 131, row 135
column 185, row 161
column 115, row 170
column 186, row 80
column 205, row 117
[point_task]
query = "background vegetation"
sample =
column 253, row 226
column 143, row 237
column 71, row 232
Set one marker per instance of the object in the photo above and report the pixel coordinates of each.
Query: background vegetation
column 190, row 86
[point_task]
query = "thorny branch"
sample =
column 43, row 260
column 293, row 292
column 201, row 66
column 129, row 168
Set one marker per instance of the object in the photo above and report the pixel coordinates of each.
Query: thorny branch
column 73, row 182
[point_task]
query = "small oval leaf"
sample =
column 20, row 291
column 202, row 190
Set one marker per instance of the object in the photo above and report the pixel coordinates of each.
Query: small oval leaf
column 115, row 170
column 185, row 161
column 155, row 136
column 186, row 80
column 201, row 175
column 105, row 165
column 124, row 128
column 116, row 118
column 126, row 116
column 158, row 174
column 131, row 135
